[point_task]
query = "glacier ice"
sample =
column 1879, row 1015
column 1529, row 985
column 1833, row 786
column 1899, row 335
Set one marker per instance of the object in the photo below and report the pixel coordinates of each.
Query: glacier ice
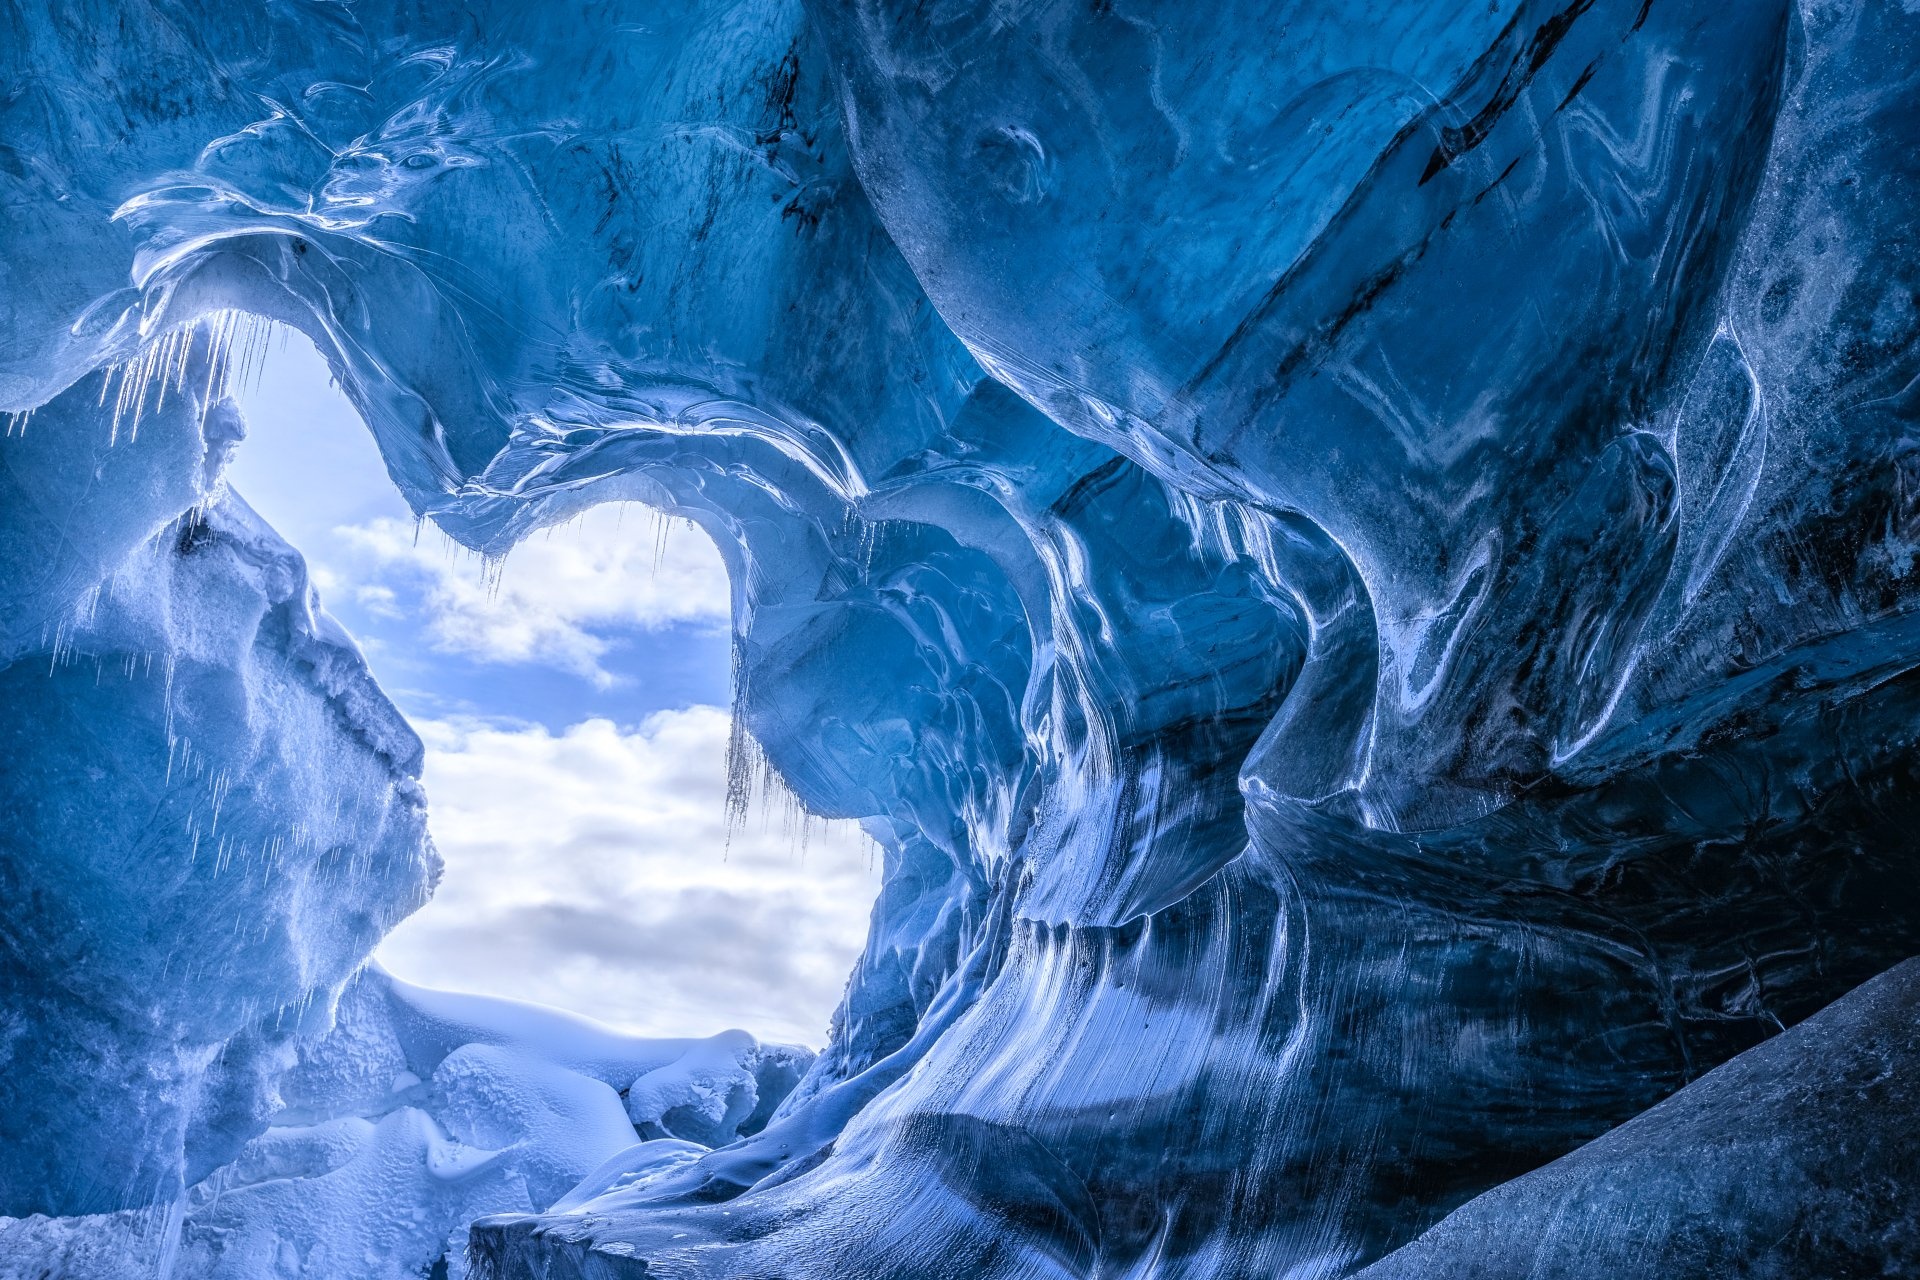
column 1792, row 1160
column 1356, row 558
column 213, row 812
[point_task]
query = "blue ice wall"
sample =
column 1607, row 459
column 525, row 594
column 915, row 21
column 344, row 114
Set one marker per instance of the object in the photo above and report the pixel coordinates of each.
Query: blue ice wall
column 1357, row 558
column 213, row 813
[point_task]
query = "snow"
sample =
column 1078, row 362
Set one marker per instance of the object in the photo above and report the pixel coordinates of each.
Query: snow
column 415, row 1114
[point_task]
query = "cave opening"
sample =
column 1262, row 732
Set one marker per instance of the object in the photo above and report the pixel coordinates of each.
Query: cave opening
column 582, row 768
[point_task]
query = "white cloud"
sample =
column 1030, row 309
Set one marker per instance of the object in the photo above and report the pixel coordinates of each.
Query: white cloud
column 591, row 869
column 555, row 598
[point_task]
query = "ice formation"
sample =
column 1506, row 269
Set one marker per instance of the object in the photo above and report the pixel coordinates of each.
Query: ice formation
column 1357, row 558
column 212, row 810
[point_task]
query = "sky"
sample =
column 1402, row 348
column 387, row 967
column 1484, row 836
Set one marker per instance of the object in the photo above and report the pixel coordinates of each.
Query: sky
column 573, row 703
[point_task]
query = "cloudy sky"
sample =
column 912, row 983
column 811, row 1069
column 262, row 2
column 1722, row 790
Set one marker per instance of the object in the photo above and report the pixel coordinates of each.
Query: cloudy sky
column 574, row 710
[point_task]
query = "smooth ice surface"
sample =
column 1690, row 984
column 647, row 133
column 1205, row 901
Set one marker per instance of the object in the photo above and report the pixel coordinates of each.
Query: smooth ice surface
column 1356, row 558
column 1795, row 1159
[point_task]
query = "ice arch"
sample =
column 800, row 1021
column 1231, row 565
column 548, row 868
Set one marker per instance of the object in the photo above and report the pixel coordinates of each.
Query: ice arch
column 1358, row 565
column 574, row 700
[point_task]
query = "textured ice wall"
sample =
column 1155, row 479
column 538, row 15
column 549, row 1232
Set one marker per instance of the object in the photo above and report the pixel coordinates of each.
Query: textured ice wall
column 212, row 811
column 1357, row 559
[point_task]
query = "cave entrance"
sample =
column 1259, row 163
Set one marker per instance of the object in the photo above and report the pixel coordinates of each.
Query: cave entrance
column 574, row 701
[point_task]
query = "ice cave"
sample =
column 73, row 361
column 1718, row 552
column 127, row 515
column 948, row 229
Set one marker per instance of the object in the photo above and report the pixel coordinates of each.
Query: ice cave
column 1359, row 561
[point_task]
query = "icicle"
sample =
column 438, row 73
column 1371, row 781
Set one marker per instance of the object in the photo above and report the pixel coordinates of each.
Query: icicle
column 184, row 349
column 148, row 359
column 172, row 1218
column 166, row 697
column 662, row 526
column 164, row 365
column 742, row 759
column 218, row 332
column 119, row 404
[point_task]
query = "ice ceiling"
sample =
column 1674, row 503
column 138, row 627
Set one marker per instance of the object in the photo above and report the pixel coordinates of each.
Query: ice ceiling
column 1358, row 559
